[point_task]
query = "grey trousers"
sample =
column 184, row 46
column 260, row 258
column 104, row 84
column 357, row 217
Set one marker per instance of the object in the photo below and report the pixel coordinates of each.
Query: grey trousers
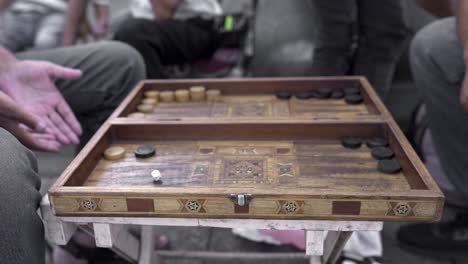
column 360, row 37
column 110, row 71
column 439, row 70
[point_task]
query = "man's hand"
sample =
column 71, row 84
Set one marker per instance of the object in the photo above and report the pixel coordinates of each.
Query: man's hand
column 26, row 126
column 100, row 29
column 30, row 84
column 464, row 92
column 101, row 26
column 164, row 9
column 30, row 138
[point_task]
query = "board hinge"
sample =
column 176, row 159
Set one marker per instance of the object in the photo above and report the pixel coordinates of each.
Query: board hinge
column 241, row 199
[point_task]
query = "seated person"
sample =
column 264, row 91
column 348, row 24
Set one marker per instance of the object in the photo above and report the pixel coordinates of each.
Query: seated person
column 39, row 24
column 439, row 54
column 44, row 106
column 168, row 32
column 361, row 37
column 75, row 17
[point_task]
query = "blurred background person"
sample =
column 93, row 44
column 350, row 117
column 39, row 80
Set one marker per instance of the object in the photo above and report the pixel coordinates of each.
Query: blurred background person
column 78, row 25
column 360, row 37
column 439, row 55
column 170, row 32
column 37, row 24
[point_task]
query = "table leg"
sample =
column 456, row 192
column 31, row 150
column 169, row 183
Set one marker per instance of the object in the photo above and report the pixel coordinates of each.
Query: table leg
column 334, row 244
column 314, row 243
column 315, row 260
column 56, row 231
column 147, row 246
column 118, row 238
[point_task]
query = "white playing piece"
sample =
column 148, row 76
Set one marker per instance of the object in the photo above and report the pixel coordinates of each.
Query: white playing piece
column 156, row 175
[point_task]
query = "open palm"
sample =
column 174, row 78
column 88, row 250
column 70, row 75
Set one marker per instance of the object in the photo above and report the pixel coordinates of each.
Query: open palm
column 30, row 84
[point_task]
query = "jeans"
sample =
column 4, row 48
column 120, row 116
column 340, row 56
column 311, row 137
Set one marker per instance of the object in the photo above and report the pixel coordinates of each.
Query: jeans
column 360, row 37
column 168, row 42
column 439, row 69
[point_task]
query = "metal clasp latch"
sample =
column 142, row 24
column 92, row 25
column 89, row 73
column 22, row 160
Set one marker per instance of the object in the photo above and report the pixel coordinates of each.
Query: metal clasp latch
column 241, row 199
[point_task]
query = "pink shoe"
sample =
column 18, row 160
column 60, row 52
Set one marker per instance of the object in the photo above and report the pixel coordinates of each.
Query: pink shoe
column 285, row 237
column 273, row 237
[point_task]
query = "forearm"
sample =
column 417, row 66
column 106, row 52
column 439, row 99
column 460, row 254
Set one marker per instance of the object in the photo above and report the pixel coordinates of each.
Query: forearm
column 102, row 12
column 440, row 8
column 6, row 59
column 4, row 4
column 164, row 9
column 461, row 13
column 74, row 17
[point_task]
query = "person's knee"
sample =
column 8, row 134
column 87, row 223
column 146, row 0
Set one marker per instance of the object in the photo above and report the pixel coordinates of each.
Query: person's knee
column 127, row 31
column 18, row 173
column 436, row 47
column 424, row 42
column 21, row 228
column 46, row 40
column 122, row 57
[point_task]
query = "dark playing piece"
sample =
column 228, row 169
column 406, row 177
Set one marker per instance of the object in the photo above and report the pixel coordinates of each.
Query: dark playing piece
column 352, row 90
column 353, row 99
column 376, row 142
column 382, row 153
column 389, row 166
column 324, row 92
column 352, row 143
column 318, row 95
column 145, row 151
column 283, row 95
column 304, row 95
column 337, row 95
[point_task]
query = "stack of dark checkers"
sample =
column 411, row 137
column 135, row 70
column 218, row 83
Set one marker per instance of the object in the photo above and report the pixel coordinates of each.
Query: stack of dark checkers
column 379, row 151
column 385, row 157
column 351, row 95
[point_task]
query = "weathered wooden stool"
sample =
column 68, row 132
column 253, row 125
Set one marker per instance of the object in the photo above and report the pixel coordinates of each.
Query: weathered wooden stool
column 324, row 239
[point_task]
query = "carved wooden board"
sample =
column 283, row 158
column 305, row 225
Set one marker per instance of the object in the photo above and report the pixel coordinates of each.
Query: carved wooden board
column 284, row 168
column 257, row 107
column 255, row 100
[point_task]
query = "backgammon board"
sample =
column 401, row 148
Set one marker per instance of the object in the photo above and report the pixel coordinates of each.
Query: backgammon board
column 250, row 155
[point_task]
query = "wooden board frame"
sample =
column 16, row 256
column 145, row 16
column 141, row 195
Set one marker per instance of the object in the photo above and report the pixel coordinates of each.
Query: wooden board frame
column 256, row 86
column 424, row 202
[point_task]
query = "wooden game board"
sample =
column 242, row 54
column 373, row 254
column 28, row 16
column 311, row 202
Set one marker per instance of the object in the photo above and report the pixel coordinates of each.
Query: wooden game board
column 245, row 167
column 255, row 100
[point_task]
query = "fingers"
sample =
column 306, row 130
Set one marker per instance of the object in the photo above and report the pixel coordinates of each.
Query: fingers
column 58, row 134
column 45, row 144
column 464, row 94
column 67, row 114
column 12, row 110
column 42, row 142
column 59, row 72
column 45, row 132
column 63, row 128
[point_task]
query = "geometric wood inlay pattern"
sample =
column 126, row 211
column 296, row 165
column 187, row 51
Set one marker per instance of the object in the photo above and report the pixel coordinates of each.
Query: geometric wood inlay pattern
column 290, row 207
column 401, row 208
column 192, row 205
